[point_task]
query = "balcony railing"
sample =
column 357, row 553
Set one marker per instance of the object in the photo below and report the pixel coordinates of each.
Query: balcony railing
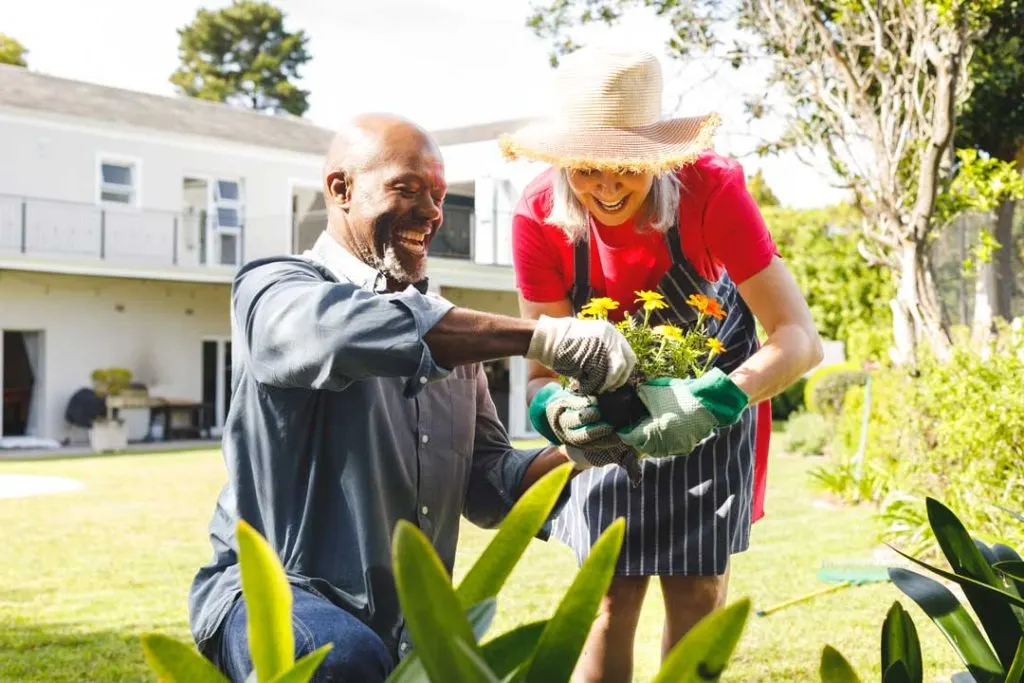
column 116, row 235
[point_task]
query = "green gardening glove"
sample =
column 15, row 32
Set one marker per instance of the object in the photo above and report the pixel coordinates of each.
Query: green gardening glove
column 684, row 412
column 565, row 417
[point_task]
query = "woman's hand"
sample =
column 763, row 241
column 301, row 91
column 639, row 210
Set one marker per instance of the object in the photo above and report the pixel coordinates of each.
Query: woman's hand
column 684, row 412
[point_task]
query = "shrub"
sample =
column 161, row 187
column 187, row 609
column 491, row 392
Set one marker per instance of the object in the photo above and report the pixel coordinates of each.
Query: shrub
column 826, row 389
column 789, row 401
column 807, row 434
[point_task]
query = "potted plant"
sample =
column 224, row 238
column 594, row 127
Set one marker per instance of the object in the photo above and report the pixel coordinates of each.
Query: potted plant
column 109, row 432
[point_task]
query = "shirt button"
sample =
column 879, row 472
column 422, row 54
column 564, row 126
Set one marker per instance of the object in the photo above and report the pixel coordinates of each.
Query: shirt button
column 425, row 510
column 423, row 380
column 424, row 438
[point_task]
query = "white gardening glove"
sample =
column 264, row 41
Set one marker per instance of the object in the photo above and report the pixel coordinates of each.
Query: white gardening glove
column 592, row 352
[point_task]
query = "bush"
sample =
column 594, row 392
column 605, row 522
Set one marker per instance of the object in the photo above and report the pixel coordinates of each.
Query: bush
column 956, row 430
column 826, row 390
column 789, row 401
column 807, row 434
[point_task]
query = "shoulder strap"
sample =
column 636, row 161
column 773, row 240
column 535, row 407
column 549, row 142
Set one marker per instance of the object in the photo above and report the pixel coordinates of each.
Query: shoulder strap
column 581, row 291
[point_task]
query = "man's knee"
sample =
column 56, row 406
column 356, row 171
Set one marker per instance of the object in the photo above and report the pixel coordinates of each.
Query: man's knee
column 356, row 655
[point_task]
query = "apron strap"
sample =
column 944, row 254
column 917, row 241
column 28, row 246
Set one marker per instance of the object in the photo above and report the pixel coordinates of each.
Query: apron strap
column 675, row 244
column 581, row 291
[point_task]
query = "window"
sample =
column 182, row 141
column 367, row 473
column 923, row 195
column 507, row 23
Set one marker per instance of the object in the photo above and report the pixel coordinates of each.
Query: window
column 229, row 220
column 118, row 181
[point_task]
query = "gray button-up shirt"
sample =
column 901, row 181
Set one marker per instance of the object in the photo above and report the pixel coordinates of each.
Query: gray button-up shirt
column 340, row 425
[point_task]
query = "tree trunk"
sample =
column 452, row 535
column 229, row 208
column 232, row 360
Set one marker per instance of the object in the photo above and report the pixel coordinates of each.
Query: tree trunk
column 993, row 289
column 917, row 318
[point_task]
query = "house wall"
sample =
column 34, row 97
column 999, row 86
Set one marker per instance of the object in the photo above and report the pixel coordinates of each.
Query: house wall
column 505, row 303
column 155, row 329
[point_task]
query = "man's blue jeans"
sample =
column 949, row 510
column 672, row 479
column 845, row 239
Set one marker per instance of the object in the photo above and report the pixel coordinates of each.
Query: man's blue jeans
column 358, row 655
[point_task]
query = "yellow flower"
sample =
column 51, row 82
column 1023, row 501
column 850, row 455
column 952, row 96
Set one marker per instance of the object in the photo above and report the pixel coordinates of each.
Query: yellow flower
column 652, row 300
column 716, row 347
column 669, row 332
column 705, row 305
column 599, row 308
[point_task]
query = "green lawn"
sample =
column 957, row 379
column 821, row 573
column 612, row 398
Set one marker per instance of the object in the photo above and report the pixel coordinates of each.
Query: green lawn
column 85, row 573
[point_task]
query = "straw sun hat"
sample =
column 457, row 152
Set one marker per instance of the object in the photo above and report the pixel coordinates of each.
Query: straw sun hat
column 606, row 115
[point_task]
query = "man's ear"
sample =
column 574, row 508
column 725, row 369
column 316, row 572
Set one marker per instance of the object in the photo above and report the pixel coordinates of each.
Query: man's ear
column 339, row 188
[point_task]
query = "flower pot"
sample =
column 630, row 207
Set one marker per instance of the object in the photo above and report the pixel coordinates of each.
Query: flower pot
column 622, row 408
column 107, row 436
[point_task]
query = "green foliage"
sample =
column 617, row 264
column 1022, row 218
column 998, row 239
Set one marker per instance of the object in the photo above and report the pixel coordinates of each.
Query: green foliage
column 834, row 667
column 846, row 295
column 759, row 190
column 826, row 388
column 11, row 51
column 789, row 401
column 243, row 55
column 807, row 434
column 111, row 381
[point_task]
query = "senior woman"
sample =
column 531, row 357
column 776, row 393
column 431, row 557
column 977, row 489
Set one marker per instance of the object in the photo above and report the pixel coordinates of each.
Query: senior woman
column 636, row 202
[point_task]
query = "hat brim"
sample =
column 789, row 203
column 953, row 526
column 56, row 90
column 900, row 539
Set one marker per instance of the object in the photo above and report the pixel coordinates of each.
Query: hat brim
column 658, row 148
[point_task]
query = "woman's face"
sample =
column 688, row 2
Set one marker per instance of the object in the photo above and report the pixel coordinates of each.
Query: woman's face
column 611, row 198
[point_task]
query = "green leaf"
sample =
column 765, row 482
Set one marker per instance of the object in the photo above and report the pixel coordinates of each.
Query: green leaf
column 897, row 673
column 1011, row 568
column 952, row 619
column 410, row 669
column 508, row 651
column 433, row 614
column 481, row 615
column 1016, row 672
column 489, row 573
column 705, row 650
column 997, row 617
column 900, row 645
column 471, row 660
column 835, row 668
column 305, row 667
column 176, row 662
column 268, row 603
column 560, row 644
column 965, row 580
column 1005, row 553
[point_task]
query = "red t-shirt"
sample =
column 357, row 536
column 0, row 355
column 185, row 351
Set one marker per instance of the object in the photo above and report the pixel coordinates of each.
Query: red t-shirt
column 720, row 228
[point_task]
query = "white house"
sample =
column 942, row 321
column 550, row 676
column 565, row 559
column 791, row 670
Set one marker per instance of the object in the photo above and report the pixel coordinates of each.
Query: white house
column 124, row 215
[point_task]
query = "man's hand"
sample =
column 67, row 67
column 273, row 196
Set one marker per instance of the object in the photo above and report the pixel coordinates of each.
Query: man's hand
column 565, row 417
column 684, row 413
column 592, row 352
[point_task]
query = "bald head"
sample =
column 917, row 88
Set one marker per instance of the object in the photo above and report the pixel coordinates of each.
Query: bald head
column 383, row 187
column 368, row 140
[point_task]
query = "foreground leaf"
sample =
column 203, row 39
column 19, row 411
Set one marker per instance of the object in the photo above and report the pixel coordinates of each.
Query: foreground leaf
column 562, row 641
column 966, row 559
column 835, row 668
column 471, row 660
column 176, row 662
column 433, row 614
column 900, row 646
column 949, row 615
column 489, row 573
column 1016, row 672
column 705, row 650
column 268, row 604
column 508, row 651
column 965, row 580
column 481, row 615
column 1012, row 568
column 305, row 667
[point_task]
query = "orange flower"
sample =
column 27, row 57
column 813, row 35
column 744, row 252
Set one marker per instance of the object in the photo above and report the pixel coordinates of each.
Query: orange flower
column 716, row 347
column 705, row 305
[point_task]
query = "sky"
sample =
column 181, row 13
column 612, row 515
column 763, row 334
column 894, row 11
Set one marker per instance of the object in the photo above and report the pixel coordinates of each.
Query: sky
column 442, row 63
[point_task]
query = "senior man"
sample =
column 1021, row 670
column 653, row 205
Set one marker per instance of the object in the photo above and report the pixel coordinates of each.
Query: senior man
column 359, row 400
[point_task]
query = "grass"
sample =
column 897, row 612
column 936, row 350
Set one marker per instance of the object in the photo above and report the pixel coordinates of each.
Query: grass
column 86, row 573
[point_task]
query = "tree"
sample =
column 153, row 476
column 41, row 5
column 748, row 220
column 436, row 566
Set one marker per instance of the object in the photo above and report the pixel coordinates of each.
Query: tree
column 11, row 51
column 993, row 121
column 876, row 84
column 244, row 56
column 759, row 190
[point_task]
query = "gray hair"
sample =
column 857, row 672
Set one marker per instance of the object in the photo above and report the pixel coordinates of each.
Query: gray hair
column 659, row 210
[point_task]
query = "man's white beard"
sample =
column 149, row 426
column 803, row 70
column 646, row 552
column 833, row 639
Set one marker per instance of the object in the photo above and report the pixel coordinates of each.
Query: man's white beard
column 393, row 269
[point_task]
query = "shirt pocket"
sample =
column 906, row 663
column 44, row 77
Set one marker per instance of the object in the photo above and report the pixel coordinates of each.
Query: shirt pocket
column 463, row 414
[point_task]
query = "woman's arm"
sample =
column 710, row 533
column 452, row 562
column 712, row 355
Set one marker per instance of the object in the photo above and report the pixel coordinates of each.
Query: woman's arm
column 793, row 346
column 538, row 375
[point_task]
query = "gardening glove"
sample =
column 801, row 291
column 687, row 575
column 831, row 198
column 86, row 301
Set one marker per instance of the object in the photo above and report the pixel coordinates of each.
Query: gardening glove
column 684, row 412
column 565, row 417
column 592, row 352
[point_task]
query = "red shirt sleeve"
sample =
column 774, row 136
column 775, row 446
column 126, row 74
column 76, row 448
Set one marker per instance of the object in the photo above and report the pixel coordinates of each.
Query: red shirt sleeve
column 734, row 231
column 537, row 263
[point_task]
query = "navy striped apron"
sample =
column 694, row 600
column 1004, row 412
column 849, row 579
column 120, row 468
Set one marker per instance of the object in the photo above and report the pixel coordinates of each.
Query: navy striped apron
column 689, row 513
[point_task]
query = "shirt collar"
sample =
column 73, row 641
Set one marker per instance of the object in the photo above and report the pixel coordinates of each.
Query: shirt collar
column 345, row 265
